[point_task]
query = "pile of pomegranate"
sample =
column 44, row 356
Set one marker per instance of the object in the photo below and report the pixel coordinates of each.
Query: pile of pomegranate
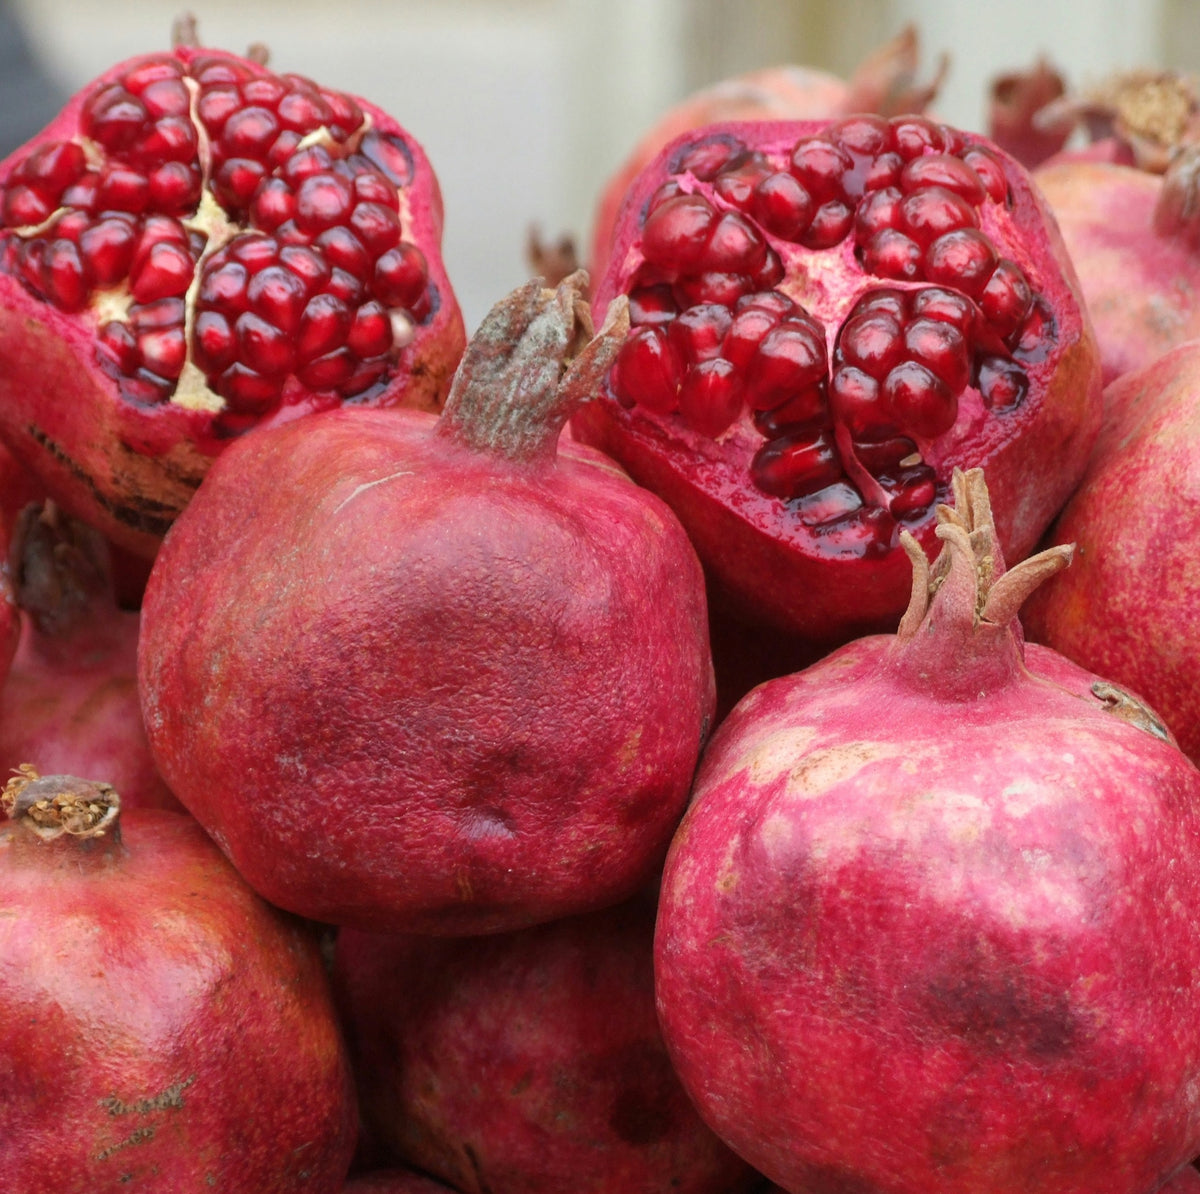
column 729, row 727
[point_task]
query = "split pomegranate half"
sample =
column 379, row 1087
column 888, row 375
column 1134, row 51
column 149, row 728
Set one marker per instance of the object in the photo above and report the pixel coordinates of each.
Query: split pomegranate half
column 827, row 318
column 195, row 246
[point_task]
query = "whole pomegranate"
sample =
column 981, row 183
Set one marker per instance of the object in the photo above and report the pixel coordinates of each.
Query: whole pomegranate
column 71, row 699
column 165, row 1030
column 886, row 81
column 1139, row 502
column 949, row 887
column 434, row 674
column 527, row 1061
column 196, row 246
column 827, row 319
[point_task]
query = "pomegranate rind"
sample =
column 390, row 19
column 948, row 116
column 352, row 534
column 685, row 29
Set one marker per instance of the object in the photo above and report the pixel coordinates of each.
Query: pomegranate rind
column 204, row 1048
column 458, row 694
column 768, row 566
column 128, row 469
column 1127, row 607
column 965, row 932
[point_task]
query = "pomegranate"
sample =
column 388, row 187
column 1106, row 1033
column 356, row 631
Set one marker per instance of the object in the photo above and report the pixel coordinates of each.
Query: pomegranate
column 886, row 81
column 1132, row 235
column 827, row 318
column 472, row 664
column 196, row 246
column 71, row 698
column 165, row 1029
column 1140, row 503
column 528, row 1061
column 951, row 888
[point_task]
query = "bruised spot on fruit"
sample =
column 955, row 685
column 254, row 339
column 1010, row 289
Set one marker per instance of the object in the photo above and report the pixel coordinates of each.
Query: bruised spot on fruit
column 642, row 1104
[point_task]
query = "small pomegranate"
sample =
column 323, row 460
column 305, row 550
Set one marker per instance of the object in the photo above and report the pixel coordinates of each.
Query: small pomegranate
column 949, row 887
column 71, row 698
column 1140, row 503
column 827, row 319
column 196, row 246
column 886, row 81
column 435, row 674
column 527, row 1061
column 165, row 1030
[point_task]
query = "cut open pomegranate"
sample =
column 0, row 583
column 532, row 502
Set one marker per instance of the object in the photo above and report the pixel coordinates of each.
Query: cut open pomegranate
column 826, row 319
column 196, row 246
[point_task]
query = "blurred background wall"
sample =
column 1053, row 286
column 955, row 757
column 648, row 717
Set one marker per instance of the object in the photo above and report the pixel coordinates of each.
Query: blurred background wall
column 526, row 106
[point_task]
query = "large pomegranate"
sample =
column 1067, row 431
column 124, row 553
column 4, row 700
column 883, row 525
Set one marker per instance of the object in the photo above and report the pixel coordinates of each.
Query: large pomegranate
column 527, row 1061
column 195, row 246
column 886, row 81
column 71, row 699
column 1139, row 502
column 165, row 1030
column 434, row 674
column 828, row 318
column 949, row 889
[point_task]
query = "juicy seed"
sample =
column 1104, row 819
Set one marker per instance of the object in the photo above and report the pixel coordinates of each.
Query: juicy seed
column 796, row 466
column 710, row 397
column 647, row 372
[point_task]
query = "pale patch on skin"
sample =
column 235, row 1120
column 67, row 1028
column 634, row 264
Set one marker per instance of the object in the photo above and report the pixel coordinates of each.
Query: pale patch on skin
column 818, row 772
column 772, row 756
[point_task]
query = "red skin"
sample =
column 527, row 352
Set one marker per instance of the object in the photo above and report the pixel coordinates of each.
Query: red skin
column 1140, row 285
column 527, row 1061
column 767, row 565
column 1139, row 503
column 464, row 773
column 148, row 970
column 129, row 468
column 956, row 899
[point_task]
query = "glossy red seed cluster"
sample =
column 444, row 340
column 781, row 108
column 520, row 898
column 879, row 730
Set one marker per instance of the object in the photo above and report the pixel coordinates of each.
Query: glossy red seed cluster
column 309, row 277
column 716, row 340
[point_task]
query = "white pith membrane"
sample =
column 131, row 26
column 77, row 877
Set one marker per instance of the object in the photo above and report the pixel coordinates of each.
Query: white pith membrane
column 116, row 303
column 816, row 281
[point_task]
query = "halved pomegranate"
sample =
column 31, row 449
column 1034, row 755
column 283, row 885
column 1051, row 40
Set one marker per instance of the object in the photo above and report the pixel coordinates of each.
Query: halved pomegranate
column 195, row 246
column 827, row 318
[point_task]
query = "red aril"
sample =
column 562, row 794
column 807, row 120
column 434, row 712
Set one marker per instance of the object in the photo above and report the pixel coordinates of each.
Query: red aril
column 165, row 1029
column 886, row 81
column 459, row 672
column 527, row 1061
column 827, row 319
column 949, row 888
column 71, row 699
column 196, row 246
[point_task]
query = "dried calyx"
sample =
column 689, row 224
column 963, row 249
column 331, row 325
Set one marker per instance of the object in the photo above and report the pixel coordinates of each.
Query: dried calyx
column 55, row 805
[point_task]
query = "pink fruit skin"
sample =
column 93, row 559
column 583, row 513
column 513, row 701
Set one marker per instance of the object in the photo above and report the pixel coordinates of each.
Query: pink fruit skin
column 1139, row 503
column 462, row 773
column 770, row 567
column 527, row 1061
column 1140, row 286
column 964, row 927
column 165, row 1029
column 129, row 467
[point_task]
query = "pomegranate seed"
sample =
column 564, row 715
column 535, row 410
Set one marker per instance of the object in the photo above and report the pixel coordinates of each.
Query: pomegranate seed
column 706, row 158
column 891, row 254
column 872, row 341
column 279, row 296
column 307, row 264
column 918, row 401
column 712, row 286
column 116, row 344
column 371, row 331
column 215, row 343
column 282, row 148
column 218, row 68
column 347, row 115
column 52, row 168
column 164, row 351
column 990, row 173
column 162, row 313
column 698, row 333
column 929, row 213
column 676, row 233
column 144, row 387
column 254, row 250
column 1003, row 384
column 24, row 207
column 216, row 105
column 165, row 96
column 223, row 287
column 821, row 167
column 107, row 247
column 647, row 372
column 248, row 392
column 366, row 374
column 263, row 347
column 883, row 171
column 795, row 466
column 330, row 372
column 64, row 276
column 345, row 286
column 114, row 118
column 914, row 135
column 273, row 204
column 1006, row 299
column 249, row 132
column 652, row 304
column 82, row 195
column 303, row 111
column 123, row 189
column 933, row 302
column 345, row 251
column 868, row 135
column 790, row 357
column 151, row 71
column 746, row 333
column 371, row 187
column 737, row 186
column 806, row 411
column 391, row 155
column 945, row 172
column 167, row 272
column 264, row 92
column 236, row 181
column 172, row 138
column 964, row 259
column 854, row 401
column 831, row 224
column 377, row 226
column 879, row 210
column 942, row 348
column 323, row 201
column 783, row 206
column 324, row 326
column 174, row 187
column 710, row 397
